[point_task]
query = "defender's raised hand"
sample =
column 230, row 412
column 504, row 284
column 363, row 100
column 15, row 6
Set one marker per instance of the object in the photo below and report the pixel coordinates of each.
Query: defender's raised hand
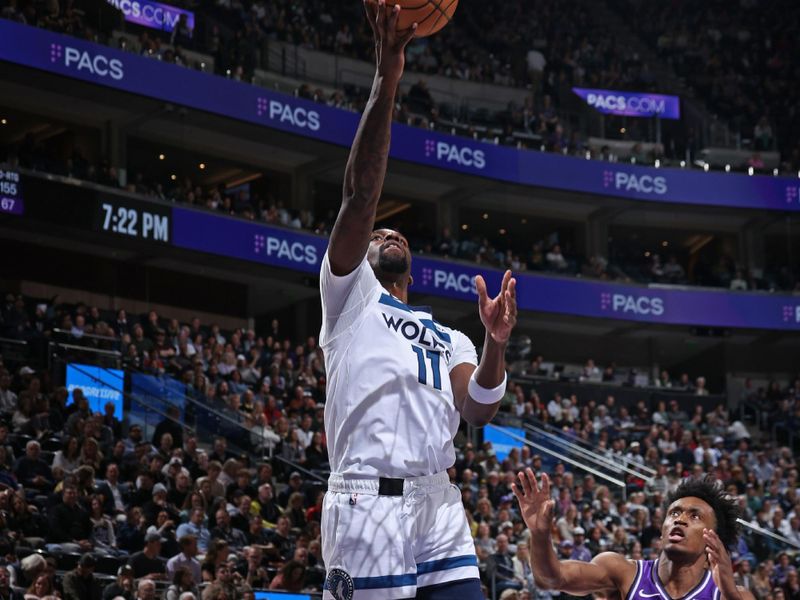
column 499, row 314
column 390, row 45
column 535, row 503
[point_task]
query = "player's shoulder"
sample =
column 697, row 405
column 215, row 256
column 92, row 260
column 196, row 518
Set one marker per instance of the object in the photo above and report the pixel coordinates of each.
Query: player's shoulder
column 616, row 565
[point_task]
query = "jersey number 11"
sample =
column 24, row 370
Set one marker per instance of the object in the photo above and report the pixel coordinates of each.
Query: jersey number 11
column 433, row 357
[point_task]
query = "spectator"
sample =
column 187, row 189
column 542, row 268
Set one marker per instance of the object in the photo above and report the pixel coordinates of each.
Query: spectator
column 196, row 528
column 122, row 586
column 70, row 527
column 185, row 560
column 146, row 589
column 146, row 562
column 502, row 567
column 80, row 583
column 32, row 471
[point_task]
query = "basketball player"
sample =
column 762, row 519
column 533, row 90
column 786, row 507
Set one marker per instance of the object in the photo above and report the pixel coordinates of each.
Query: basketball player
column 398, row 381
column 699, row 526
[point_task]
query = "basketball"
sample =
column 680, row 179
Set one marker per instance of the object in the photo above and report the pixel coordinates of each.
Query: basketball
column 429, row 15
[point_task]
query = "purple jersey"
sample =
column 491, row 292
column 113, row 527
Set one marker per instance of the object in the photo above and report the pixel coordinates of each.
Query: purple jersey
column 647, row 585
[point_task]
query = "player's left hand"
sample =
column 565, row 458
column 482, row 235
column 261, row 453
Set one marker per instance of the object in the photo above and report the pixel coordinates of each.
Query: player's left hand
column 499, row 314
column 719, row 561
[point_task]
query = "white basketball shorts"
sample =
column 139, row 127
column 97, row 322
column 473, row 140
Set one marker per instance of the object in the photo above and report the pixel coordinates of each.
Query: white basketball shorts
column 385, row 547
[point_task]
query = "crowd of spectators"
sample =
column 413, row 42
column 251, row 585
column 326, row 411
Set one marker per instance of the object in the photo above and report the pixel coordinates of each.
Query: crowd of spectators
column 546, row 47
column 739, row 56
column 168, row 512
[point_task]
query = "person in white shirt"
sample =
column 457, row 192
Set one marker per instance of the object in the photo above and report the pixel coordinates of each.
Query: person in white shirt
column 398, row 384
column 8, row 399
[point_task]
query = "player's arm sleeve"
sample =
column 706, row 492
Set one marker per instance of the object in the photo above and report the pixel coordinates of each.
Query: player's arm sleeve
column 343, row 297
column 463, row 351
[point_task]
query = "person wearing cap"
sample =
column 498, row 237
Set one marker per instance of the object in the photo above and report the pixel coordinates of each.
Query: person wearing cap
column 121, row 587
column 295, row 485
column 146, row 562
column 80, row 583
column 579, row 549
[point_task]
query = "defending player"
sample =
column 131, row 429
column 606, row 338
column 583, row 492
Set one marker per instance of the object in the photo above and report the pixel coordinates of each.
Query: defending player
column 694, row 564
column 392, row 525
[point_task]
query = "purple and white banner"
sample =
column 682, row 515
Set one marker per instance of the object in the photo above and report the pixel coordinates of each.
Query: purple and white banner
column 152, row 14
column 236, row 238
column 113, row 68
column 11, row 202
column 631, row 104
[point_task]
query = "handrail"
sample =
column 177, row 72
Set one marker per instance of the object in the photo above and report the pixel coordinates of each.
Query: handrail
column 766, row 532
column 114, row 353
column 5, row 340
column 596, row 458
column 578, row 443
column 86, row 335
column 560, row 456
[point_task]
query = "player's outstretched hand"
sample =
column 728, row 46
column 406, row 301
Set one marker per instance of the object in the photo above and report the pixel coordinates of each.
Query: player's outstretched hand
column 719, row 560
column 499, row 314
column 390, row 45
column 535, row 503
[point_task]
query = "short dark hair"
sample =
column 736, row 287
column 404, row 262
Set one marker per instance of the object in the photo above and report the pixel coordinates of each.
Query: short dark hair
column 711, row 491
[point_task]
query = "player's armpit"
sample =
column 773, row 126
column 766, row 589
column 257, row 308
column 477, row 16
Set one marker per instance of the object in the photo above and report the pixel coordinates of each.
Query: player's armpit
column 472, row 412
column 607, row 571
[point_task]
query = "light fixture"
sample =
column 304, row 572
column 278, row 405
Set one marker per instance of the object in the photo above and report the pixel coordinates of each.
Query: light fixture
column 775, row 171
column 524, row 221
column 485, row 216
column 665, row 243
column 658, row 163
column 502, row 232
column 622, row 130
column 161, row 157
column 173, row 177
column 749, row 170
column 588, row 155
column 727, row 168
column 683, row 164
column 647, row 253
column 705, row 167
column 3, row 122
column 202, row 166
column 464, row 227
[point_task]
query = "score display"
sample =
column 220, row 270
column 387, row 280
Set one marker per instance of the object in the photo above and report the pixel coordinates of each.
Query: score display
column 11, row 202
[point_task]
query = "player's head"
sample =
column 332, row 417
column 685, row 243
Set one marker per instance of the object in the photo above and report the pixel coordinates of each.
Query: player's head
column 389, row 254
column 697, row 504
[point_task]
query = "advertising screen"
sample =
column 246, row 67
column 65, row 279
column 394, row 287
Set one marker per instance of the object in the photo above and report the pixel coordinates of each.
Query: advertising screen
column 100, row 386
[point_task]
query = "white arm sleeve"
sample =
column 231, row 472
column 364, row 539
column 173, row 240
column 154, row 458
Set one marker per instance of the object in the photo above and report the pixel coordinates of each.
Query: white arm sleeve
column 343, row 298
column 463, row 351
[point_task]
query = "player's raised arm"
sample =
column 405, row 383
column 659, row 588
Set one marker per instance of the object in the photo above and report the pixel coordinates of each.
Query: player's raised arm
column 477, row 391
column 607, row 571
column 366, row 167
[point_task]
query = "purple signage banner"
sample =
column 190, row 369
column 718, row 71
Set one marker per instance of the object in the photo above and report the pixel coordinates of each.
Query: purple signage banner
column 245, row 240
column 631, row 104
column 11, row 202
column 152, row 14
column 139, row 75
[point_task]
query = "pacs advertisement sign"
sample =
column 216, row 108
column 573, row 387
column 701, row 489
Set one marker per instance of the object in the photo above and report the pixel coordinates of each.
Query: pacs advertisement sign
column 152, row 14
column 631, row 104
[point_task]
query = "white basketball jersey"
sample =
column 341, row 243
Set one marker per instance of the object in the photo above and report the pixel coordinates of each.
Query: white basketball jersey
column 389, row 410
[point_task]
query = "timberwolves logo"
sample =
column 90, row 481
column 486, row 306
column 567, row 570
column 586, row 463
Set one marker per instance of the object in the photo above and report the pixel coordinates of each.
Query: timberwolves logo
column 339, row 584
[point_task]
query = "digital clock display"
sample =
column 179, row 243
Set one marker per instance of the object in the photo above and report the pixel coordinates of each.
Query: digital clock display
column 10, row 193
column 134, row 220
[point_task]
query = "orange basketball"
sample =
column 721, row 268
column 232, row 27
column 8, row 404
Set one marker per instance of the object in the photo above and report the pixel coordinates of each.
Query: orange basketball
column 429, row 15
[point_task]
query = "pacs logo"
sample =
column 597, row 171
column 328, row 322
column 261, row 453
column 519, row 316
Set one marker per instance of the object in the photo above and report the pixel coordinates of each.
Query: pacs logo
column 296, row 252
column 792, row 194
column 455, row 154
column 448, row 280
column 285, row 113
column 84, row 61
column 627, row 182
column 791, row 314
column 630, row 304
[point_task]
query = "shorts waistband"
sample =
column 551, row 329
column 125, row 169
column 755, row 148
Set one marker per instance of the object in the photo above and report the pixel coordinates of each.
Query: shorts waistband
column 371, row 485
